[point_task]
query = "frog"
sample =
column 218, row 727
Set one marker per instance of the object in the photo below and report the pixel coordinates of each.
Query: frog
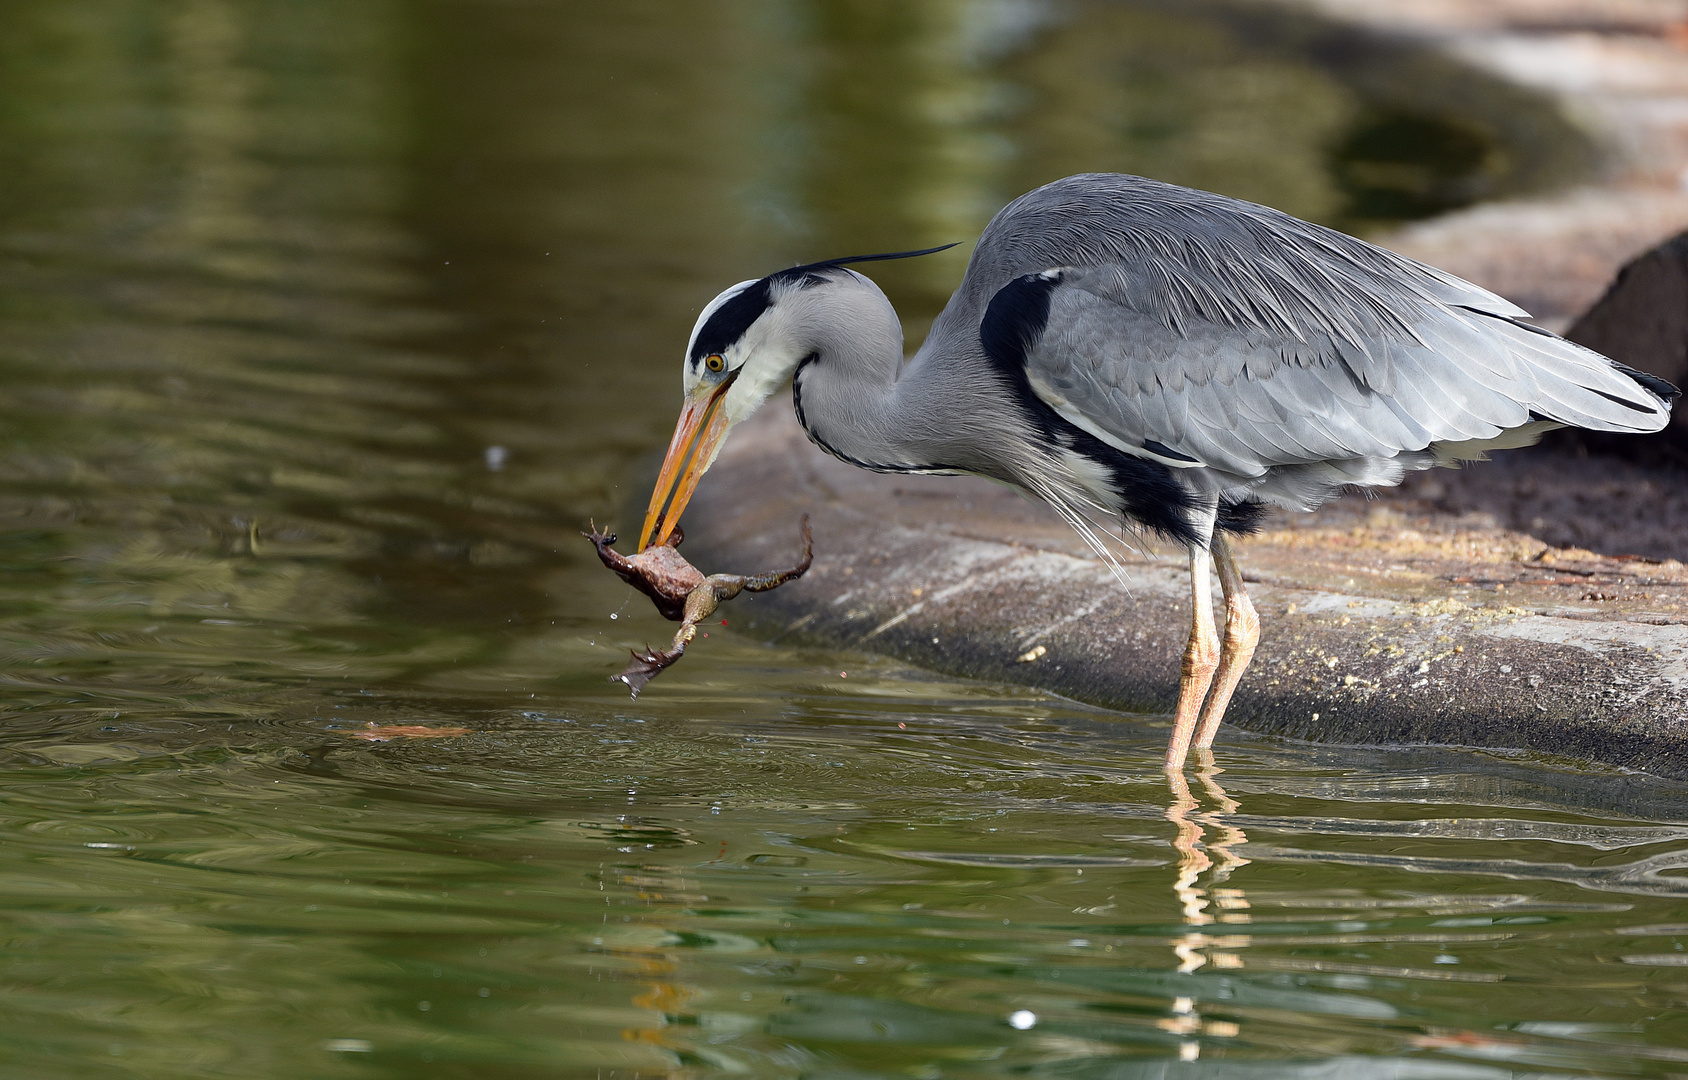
column 682, row 593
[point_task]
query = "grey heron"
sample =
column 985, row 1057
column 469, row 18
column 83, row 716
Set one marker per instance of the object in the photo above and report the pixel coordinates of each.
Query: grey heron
column 1132, row 351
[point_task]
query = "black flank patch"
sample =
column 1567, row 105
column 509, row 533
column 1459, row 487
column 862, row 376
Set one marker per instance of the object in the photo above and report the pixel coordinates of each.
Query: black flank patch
column 1242, row 518
column 1149, row 493
column 1016, row 318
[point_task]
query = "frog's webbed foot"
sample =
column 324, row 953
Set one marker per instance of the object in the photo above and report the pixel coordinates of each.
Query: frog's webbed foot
column 646, row 666
column 774, row 579
column 599, row 539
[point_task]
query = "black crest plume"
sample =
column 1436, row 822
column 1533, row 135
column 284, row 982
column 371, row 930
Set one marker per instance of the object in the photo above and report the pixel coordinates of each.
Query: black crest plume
column 809, row 273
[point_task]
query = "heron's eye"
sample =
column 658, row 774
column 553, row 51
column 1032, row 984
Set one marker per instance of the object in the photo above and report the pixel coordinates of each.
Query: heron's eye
column 714, row 362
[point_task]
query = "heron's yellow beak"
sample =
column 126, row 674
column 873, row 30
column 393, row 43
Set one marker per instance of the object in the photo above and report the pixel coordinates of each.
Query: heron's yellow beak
column 697, row 439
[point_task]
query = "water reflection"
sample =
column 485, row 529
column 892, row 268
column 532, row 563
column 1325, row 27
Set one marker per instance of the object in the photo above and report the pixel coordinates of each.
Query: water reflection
column 1216, row 858
column 816, row 890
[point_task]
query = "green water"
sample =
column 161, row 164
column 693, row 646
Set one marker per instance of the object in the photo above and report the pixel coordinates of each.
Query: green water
column 274, row 277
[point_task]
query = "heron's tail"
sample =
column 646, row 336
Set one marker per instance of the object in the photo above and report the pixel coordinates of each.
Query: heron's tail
column 1577, row 387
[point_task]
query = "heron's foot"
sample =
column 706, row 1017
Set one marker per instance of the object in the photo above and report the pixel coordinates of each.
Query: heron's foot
column 646, row 666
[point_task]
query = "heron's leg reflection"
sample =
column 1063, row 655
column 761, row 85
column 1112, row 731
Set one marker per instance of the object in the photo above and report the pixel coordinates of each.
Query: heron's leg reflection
column 1232, row 903
column 1192, row 860
column 1201, row 658
column 1197, row 854
column 1242, row 634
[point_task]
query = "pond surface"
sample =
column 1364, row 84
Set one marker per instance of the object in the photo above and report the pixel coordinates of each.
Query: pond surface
column 323, row 329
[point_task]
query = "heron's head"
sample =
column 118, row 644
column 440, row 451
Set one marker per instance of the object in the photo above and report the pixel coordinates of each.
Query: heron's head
column 747, row 343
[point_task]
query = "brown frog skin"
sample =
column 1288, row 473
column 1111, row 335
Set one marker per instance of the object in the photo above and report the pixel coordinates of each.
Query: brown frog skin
column 660, row 572
column 682, row 593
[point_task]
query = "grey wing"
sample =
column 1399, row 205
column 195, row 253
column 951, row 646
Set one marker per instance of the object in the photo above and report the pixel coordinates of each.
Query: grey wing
column 1182, row 255
column 1243, row 339
column 1244, row 402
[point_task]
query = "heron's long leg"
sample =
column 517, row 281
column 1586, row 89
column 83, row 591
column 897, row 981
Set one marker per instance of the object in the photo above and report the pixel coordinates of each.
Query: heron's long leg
column 1242, row 634
column 1201, row 658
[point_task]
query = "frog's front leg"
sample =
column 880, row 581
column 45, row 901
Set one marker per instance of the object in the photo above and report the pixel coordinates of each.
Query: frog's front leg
column 701, row 602
column 609, row 556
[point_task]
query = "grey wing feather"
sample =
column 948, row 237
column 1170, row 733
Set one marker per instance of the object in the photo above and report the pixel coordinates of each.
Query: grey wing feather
column 1250, row 340
column 1183, row 255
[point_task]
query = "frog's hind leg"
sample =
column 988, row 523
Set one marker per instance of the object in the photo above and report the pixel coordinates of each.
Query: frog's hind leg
column 727, row 586
column 775, row 578
column 647, row 665
column 644, row 667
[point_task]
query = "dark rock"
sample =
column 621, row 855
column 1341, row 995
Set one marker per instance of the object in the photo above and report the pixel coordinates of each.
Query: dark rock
column 1642, row 321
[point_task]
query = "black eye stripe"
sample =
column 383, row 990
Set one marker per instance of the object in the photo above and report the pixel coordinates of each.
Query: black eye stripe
column 731, row 320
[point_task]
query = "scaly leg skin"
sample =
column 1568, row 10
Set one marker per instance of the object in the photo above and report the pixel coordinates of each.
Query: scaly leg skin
column 1201, row 659
column 1242, row 634
column 701, row 602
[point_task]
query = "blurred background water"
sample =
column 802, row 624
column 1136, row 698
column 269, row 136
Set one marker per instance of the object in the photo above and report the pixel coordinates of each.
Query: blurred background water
column 323, row 329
